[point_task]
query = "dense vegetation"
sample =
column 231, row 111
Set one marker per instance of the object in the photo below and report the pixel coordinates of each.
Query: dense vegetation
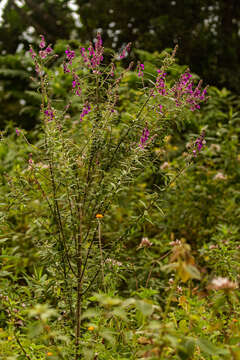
column 119, row 210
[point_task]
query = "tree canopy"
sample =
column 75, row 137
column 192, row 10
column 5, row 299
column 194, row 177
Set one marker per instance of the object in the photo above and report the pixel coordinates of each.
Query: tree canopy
column 207, row 31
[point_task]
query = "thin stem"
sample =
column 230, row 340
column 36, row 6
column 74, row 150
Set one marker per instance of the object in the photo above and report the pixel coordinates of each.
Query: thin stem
column 169, row 299
column 101, row 253
column 20, row 345
column 152, row 266
column 79, row 287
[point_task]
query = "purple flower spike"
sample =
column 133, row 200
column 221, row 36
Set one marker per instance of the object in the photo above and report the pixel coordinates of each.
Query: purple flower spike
column 144, row 138
column 93, row 57
column 42, row 43
column 49, row 114
column 33, row 54
column 184, row 93
column 140, row 69
column 17, row 132
column 70, row 55
column 125, row 51
column 43, row 54
column 65, row 68
column 49, row 49
column 199, row 143
column 86, row 109
column 160, row 83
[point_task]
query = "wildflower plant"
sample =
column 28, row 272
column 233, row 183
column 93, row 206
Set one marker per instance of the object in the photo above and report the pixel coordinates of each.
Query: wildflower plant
column 79, row 168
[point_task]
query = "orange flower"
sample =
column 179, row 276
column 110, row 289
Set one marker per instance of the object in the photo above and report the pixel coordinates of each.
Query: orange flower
column 49, row 353
column 234, row 320
column 99, row 216
column 91, row 328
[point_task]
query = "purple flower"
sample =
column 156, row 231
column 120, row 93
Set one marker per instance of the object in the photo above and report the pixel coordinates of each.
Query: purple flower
column 37, row 69
column 42, row 43
column 125, row 51
column 17, row 132
column 199, row 143
column 78, row 92
column 49, row 114
column 112, row 70
column 76, row 84
column 84, row 54
column 86, row 109
column 91, row 50
column 144, row 138
column 42, row 54
column 160, row 83
column 140, row 69
column 65, row 68
column 33, row 54
column 123, row 54
column 183, row 92
column 49, row 49
column 94, row 56
column 70, row 55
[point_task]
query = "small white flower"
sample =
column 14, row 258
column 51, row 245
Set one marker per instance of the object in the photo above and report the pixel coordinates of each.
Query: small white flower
column 221, row 283
column 165, row 165
column 144, row 243
column 220, row 176
column 113, row 262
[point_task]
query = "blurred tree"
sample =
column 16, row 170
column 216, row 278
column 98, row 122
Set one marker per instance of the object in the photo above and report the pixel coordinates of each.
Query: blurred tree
column 207, row 31
column 23, row 19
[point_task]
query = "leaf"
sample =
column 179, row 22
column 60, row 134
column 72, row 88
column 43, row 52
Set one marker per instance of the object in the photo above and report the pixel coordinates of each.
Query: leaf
column 144, row 307
column 35, row 329
column 90, row 313
column 207, row 347
column 193, row 271
column 187, row 272
column 143, row 203
column 4, row 273
column 120, row 313
column 186, row 350
column 128, row 302
column 107, row 335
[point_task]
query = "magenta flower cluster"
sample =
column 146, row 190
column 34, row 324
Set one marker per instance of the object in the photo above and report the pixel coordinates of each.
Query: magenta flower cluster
column 70, row 54
column 49, row 114
column 32, row 53
column 86, row 109
column 160, row 82
column 199, row 143
column 93, row 57
column 184, row 91
column 76, row 85
column 42, row 53
column 144, row 138
column 140, row 69
column 125, row 51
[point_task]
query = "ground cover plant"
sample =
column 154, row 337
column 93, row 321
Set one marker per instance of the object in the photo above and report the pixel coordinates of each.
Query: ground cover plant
column 111, row 272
